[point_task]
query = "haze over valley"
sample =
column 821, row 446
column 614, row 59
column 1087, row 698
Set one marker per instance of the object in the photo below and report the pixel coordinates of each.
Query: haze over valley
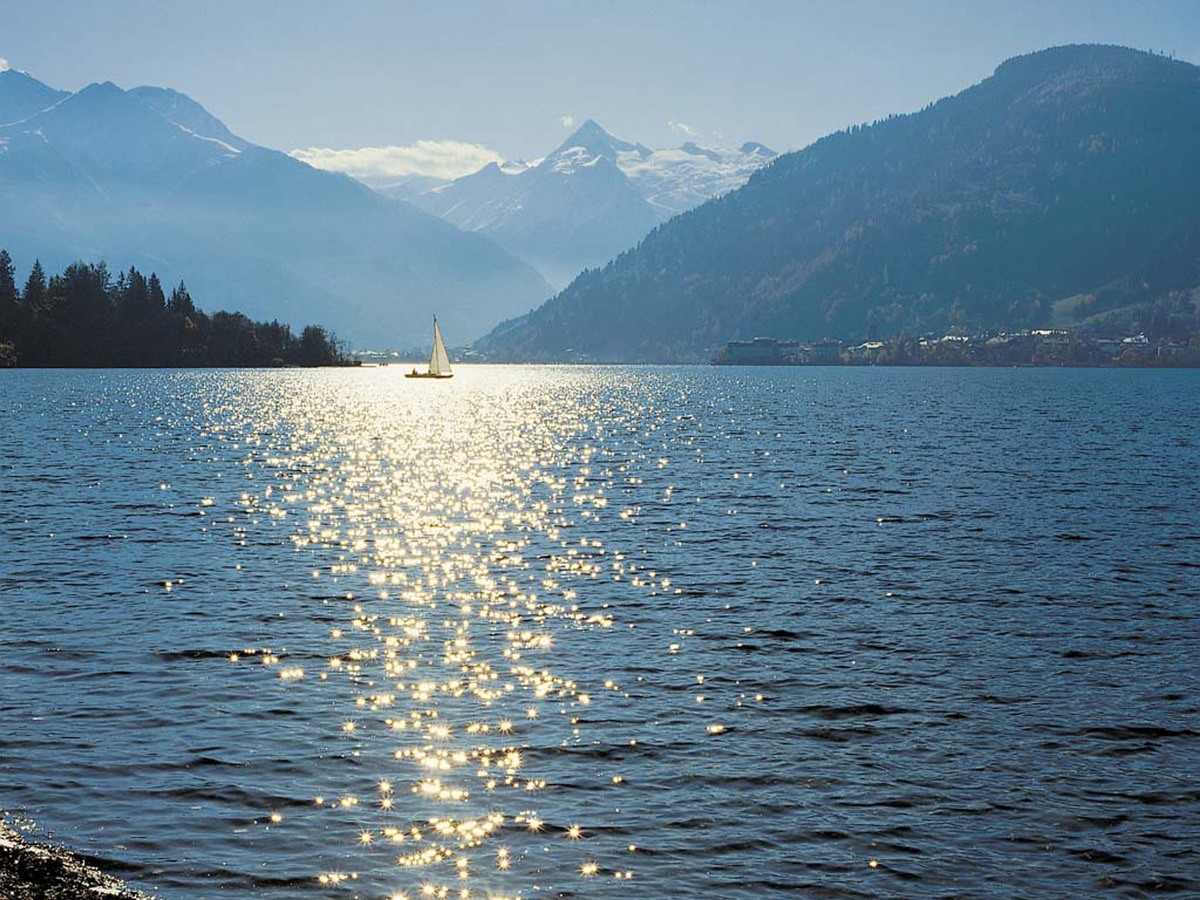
column 1045, row 196
column 148, row 177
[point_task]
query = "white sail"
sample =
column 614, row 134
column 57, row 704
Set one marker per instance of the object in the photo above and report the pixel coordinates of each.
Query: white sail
column 439, row 362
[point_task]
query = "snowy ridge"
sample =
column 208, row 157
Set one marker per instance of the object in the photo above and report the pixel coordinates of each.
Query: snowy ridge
column 593, row 197
column 677, row 180
column 229, row 149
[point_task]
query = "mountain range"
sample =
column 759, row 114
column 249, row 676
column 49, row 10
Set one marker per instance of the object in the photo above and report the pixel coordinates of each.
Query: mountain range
column 148, row 177
column 592, row 197
column 1057, row 192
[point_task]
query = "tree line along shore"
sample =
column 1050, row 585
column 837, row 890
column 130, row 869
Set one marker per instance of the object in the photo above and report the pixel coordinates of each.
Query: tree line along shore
column 86, row 317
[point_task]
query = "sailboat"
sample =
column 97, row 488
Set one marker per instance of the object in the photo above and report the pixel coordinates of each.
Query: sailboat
column 439, row 362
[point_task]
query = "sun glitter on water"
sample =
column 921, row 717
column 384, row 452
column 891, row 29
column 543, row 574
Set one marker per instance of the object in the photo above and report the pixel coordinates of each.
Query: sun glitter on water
column 459, row 597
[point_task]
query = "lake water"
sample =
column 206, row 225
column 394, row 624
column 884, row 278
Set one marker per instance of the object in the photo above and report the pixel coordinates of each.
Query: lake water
column 606, row 632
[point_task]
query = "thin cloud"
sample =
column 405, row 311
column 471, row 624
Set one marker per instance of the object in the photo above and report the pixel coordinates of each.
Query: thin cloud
column 686, row 130
column 567, row 121
column 379, row 166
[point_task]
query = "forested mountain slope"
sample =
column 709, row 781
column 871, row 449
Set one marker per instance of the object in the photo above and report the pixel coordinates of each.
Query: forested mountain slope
column 1061, row 190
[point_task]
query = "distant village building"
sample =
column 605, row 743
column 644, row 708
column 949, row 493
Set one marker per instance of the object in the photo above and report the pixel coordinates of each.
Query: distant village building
column 1036, row 347
column 823, row 353
column 866, row 353
column 761, row 352
column 771, row 352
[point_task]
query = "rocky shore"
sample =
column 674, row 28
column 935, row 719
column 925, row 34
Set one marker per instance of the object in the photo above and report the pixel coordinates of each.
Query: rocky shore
column 33, row 871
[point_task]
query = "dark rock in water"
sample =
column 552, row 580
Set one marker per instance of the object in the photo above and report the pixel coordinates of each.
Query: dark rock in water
column 30, row 871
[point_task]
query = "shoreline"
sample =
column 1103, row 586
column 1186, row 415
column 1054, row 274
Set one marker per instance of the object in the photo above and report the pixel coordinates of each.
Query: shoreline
column 30, row 870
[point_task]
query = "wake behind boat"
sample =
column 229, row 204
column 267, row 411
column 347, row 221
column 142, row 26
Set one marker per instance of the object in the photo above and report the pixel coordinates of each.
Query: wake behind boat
column 439, row 361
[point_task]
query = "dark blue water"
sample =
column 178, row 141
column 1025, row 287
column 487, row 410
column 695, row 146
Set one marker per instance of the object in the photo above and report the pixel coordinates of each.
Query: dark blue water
column 611, row 633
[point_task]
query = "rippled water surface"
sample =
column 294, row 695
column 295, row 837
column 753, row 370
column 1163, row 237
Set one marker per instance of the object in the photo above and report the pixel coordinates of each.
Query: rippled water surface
column 606, row 633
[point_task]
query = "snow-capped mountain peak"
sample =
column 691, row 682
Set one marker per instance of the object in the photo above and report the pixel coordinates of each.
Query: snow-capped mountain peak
column 182, row 110
column 674, row 181
column 595, row 141
column 693, row 149
column 591, row 198
column 753, row 148
column 104, row 129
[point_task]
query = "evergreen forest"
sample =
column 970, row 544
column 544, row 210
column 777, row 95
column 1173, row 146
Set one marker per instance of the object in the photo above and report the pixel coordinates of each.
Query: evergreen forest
column 85, row 317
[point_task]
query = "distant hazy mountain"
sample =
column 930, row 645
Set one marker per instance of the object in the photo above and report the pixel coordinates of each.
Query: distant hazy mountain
column 590, row 199
column 148, row 177
column 21, row 96
column 1059, row 191
column 180, row 109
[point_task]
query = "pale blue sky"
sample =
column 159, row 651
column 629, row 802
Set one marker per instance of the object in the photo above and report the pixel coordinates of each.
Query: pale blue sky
column 301, row 73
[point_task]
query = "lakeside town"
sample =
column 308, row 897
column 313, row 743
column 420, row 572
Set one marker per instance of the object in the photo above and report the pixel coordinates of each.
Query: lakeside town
column 1035, row 347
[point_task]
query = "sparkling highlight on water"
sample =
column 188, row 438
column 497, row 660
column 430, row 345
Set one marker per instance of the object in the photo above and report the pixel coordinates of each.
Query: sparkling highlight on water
column 458, row 586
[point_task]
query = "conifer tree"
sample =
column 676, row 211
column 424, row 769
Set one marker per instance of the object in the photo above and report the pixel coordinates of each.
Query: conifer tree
column 8, row 284
column 158, row 302
column 183, row 326
column 35, row 286
column 8, row 296
column 82, row 314
column 180, row 303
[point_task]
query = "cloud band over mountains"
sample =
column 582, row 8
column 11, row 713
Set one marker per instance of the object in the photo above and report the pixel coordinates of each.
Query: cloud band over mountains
column 381, row 166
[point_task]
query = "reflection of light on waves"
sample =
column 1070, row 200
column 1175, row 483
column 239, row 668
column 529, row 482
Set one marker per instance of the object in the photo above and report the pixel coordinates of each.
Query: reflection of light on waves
column 471, row 637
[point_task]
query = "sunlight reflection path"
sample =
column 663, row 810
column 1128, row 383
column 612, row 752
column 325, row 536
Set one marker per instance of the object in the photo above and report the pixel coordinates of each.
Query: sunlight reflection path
column 449, row 513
